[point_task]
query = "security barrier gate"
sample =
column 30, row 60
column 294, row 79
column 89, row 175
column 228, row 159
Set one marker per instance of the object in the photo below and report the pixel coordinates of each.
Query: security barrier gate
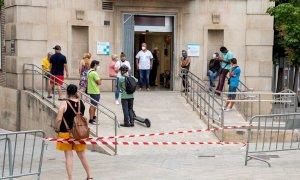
column 21, row 154
column 271, row 133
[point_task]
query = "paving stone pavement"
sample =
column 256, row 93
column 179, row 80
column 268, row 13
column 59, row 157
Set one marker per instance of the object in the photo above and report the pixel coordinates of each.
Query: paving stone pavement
column 169, row 112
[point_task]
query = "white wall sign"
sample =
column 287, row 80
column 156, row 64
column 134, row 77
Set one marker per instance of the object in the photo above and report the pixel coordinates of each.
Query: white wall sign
column 103, row 48
column 193, row 50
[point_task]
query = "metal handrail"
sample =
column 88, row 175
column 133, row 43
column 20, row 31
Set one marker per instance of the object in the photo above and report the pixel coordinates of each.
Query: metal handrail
column 246, row 99
column 207, row 103
column 40, row 71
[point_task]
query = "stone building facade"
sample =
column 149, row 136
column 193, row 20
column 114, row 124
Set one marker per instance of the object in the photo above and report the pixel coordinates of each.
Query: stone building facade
column 33, row 27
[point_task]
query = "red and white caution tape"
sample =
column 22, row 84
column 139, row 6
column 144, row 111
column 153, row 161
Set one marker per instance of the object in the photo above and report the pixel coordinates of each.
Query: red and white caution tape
column 155, row 134
column 147, row 143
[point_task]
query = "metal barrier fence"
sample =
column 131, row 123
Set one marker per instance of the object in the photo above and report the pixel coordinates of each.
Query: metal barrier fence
column 271, row 133
column 248, row 102
column 253, row 103
column 33, row 73
column 21, row 154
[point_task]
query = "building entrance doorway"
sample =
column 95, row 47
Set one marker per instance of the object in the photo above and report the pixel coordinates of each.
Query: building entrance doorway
column 157, row 32
column 160, row 75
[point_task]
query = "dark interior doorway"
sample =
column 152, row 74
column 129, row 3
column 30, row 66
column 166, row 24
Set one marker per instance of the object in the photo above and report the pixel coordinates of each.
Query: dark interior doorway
column 163, row 41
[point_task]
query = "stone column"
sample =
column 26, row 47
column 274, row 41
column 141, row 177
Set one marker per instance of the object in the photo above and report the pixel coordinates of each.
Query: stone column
column 259, row 44
column 25, row 37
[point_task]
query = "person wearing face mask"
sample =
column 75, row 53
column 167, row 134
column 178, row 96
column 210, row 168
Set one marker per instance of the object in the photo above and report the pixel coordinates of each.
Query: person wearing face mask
column 185, row 63
column 213, row 71
column 144, row 62
column 93, row 89
column 120, row 63
column 226, row 66
column 153, row 72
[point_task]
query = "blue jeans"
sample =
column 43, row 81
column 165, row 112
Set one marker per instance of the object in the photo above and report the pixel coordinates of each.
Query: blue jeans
column 144, row 74
column 117, row 94
column 212, row 77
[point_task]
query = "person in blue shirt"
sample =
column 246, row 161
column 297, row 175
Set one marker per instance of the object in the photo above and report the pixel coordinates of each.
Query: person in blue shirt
column 234, row 75
column 225, row 65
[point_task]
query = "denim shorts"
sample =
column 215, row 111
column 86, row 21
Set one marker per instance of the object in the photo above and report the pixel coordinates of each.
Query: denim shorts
column 96, row 97
column 232, row 89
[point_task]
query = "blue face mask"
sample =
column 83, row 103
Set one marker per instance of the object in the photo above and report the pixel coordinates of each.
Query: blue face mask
column 184, row 55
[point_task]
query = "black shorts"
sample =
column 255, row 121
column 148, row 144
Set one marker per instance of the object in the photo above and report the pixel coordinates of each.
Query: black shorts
column 95, row 99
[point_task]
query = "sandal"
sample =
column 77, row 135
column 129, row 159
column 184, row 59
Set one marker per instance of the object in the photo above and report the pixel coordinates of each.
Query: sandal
column 89, row 178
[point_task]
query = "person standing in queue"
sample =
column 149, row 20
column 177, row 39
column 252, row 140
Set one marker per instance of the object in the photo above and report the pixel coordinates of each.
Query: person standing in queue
column 153, row 72
column 226, row 66
column 122, row 62
column 144, row 62
column 58, row 66
column 93, row 89
column 65, row 111
column 185, row 63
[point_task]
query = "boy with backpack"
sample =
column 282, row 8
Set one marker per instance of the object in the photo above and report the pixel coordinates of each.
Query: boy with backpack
column 233, row 81
column 127, row 86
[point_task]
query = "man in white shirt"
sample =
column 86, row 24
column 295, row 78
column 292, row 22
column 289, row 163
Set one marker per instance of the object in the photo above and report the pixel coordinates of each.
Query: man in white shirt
column 144, row 61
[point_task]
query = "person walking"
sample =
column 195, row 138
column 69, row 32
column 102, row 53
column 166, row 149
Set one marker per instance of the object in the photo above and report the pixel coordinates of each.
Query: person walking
column 122, row 62
column 144, row 62
column 214, row 67
column 93, row 89
column 65, row 111
column 126, row 99
column 234, row 77
column 153, row 72
column 113, row 74
column 225, row 65
column 84, row 66
column 46, row 68
column 58, row 66
column 185, row 63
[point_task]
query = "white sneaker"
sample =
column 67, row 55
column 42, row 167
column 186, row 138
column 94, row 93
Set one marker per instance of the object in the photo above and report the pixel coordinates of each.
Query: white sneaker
column 228, row 110
column 117, row 102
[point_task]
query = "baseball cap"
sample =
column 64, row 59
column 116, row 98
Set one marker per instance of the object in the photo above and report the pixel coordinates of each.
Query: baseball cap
column 57, row 47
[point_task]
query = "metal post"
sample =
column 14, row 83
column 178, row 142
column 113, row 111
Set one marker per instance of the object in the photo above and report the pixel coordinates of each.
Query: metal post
column 295, row 103
column 97, row 126
column 54, row 83
column 222, row 119
column 32, row 85
column 24, row 76
column 41, row 157
column 197, row 95
column 116, row 129
column 43, row 85
column 259, row 104
column 193, row 93
column 208, row 111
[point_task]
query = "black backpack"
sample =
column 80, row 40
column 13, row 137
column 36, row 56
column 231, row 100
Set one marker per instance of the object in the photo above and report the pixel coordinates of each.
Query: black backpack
column 130, row 85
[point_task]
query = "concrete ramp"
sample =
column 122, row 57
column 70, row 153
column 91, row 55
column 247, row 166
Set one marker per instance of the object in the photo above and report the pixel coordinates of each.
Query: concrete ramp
column 167, row 111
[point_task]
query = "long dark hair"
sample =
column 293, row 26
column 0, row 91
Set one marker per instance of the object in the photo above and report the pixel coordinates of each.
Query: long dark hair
column 72, row 90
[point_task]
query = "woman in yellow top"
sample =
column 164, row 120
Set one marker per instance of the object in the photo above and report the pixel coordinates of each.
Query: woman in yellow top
column 46, row 66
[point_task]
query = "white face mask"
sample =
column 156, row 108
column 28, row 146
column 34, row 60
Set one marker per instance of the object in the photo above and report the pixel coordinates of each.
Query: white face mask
column 214, row 56
column 143, row 48
column 98, row 68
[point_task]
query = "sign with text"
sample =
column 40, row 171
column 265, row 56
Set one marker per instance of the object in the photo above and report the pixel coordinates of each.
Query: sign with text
column 193, row 50
column 103, row 48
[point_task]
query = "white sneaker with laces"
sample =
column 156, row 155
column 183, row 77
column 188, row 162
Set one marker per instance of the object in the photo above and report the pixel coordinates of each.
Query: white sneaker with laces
column 117, row 102
column 228, row 110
